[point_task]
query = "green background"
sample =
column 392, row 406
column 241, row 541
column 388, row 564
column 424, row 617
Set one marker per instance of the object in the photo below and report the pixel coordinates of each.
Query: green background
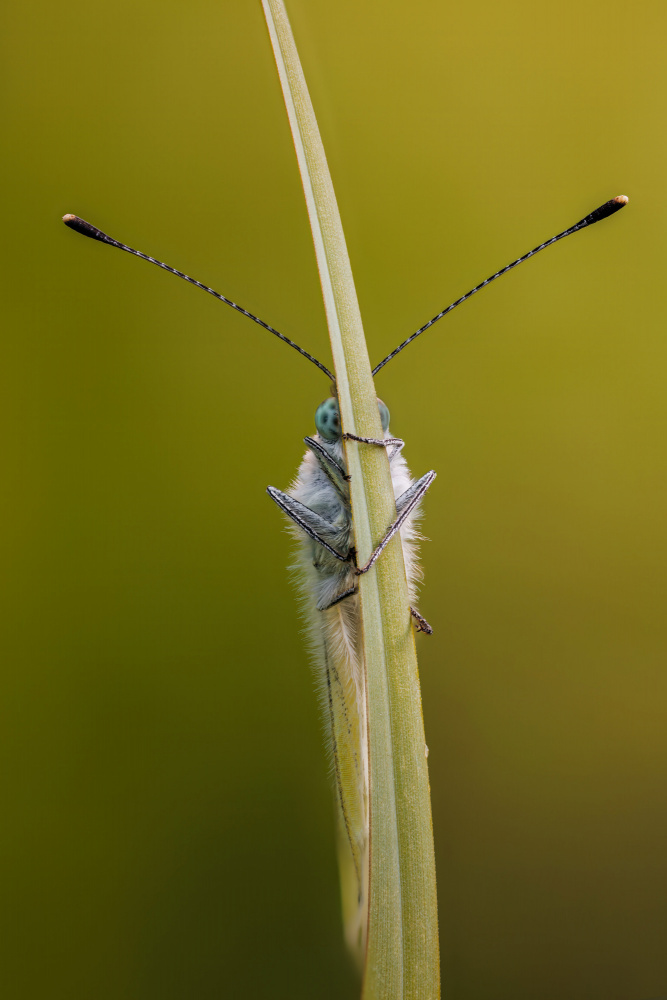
column 167, row 827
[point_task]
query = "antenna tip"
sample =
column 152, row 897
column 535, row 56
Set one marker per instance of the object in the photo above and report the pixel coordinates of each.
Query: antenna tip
column 74, row 222
column 604, row 211
column 85, row 228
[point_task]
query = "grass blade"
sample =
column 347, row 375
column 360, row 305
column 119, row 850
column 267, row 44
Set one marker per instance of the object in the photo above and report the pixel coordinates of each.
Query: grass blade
column 402, row 958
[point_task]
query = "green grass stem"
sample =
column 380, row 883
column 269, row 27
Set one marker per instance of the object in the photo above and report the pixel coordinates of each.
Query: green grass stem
column 402, row 957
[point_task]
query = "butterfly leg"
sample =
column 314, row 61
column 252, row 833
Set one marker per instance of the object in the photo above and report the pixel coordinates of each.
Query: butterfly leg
column 416, row 491
column 318, row 528
column 422, row 624
column 383, row 442
column 338, row 599
column 396, row 443
column 334, row 472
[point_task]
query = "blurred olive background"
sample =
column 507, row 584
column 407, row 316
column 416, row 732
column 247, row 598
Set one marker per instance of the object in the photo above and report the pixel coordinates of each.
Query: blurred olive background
column 167, row 830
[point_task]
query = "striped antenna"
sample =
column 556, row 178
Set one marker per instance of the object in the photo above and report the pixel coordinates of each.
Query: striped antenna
column 85, row 228
column 600, row 213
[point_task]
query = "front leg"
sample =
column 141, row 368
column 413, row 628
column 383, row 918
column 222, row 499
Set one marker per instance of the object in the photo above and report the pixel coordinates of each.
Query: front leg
column 396, row 443
column 383, row 442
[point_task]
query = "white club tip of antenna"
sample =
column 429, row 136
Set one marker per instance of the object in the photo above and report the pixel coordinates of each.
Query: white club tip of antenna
column 621, row 199
column 68, row 217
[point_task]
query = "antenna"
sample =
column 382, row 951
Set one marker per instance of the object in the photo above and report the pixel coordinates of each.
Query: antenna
column 600, row 213
column 85, row 228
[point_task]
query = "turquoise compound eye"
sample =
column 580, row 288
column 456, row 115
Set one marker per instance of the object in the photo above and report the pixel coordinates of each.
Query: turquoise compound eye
column 327, row 420
column 384, row 415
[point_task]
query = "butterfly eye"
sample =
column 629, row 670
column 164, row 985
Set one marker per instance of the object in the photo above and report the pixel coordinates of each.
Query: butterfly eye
column 327, row 420
column 384, row 415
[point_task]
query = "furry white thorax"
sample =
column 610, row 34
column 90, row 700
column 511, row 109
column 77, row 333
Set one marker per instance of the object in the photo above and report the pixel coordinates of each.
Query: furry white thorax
column 334, row 639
